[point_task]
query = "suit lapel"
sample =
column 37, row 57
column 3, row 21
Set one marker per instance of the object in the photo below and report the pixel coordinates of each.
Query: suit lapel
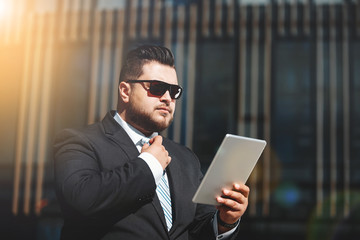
column 156, row 201
column 174, row 176
column 158, row 208
column 117, row 134
column 176, row 182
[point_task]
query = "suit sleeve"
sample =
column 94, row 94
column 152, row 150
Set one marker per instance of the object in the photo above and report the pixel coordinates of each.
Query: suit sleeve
column 85, row 188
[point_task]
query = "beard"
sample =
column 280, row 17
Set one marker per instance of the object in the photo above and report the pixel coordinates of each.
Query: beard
column 143, row 119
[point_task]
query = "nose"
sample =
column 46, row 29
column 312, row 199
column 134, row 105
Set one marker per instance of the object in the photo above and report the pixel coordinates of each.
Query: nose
column 166, row 96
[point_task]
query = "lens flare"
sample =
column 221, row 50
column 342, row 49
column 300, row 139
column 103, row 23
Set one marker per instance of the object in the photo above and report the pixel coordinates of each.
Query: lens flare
column 5, row 8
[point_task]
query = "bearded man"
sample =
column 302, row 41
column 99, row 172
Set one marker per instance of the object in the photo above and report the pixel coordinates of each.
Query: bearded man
column 120, row 179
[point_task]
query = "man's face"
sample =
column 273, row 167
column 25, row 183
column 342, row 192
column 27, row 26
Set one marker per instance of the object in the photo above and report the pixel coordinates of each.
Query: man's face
column 147, row 112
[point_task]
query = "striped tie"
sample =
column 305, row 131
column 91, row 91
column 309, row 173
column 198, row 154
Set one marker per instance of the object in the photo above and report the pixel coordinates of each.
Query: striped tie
column 163, row 193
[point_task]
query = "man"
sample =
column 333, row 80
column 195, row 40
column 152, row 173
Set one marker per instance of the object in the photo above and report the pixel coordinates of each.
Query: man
column 119, row 179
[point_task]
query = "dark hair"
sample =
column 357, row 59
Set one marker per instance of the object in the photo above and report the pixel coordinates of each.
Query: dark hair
column 137, row 58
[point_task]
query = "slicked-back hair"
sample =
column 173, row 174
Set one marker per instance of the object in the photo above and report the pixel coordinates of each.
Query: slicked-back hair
column 137, row 58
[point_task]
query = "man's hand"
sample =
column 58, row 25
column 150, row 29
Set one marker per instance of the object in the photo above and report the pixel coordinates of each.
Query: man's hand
column 233, row 204
column 158, row 151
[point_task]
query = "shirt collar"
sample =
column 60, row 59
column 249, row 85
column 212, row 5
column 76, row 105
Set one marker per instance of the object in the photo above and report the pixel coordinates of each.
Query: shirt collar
column 133, row 133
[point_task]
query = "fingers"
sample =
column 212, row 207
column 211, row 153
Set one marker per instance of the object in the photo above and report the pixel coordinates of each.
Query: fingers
column 233, row 203
column 235, row 199
column 156, row 140
column 168, row 160
column 238, row 191
column 145, row 146
column 242, row 188
column 158, row 151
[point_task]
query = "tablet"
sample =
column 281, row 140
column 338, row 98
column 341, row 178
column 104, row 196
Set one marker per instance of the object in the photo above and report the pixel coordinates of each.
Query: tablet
column 233, row 162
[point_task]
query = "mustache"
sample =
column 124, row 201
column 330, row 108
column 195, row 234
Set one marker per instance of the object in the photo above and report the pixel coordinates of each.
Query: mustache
column 166, row 107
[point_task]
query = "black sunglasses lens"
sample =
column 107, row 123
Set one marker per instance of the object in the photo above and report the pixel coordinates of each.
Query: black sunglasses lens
column 159, row 89
column 175, row 92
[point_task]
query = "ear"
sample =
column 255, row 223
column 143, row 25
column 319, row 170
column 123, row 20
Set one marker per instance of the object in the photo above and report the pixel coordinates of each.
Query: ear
column 124, row 91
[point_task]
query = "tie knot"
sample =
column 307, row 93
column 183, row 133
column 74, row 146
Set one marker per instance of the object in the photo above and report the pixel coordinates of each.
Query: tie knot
column 143, row 141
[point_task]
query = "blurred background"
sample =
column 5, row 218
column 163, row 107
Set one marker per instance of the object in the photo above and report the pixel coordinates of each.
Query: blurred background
column 287, row 71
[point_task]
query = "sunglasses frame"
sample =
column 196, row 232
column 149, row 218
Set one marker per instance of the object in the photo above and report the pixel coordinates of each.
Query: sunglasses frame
column 168, row 88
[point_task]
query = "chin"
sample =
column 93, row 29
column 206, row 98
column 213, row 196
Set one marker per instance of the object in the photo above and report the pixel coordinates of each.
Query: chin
column 163, row 117
column 163, row 122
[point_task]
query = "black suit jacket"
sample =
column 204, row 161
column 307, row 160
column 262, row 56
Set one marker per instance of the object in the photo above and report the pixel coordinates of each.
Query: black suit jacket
column 106, row 192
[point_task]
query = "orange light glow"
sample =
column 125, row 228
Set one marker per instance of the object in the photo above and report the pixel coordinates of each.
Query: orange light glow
column 5, row 8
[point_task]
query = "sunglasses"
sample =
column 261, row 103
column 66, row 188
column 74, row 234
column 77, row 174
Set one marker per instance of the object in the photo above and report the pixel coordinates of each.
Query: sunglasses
column 159, row 88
